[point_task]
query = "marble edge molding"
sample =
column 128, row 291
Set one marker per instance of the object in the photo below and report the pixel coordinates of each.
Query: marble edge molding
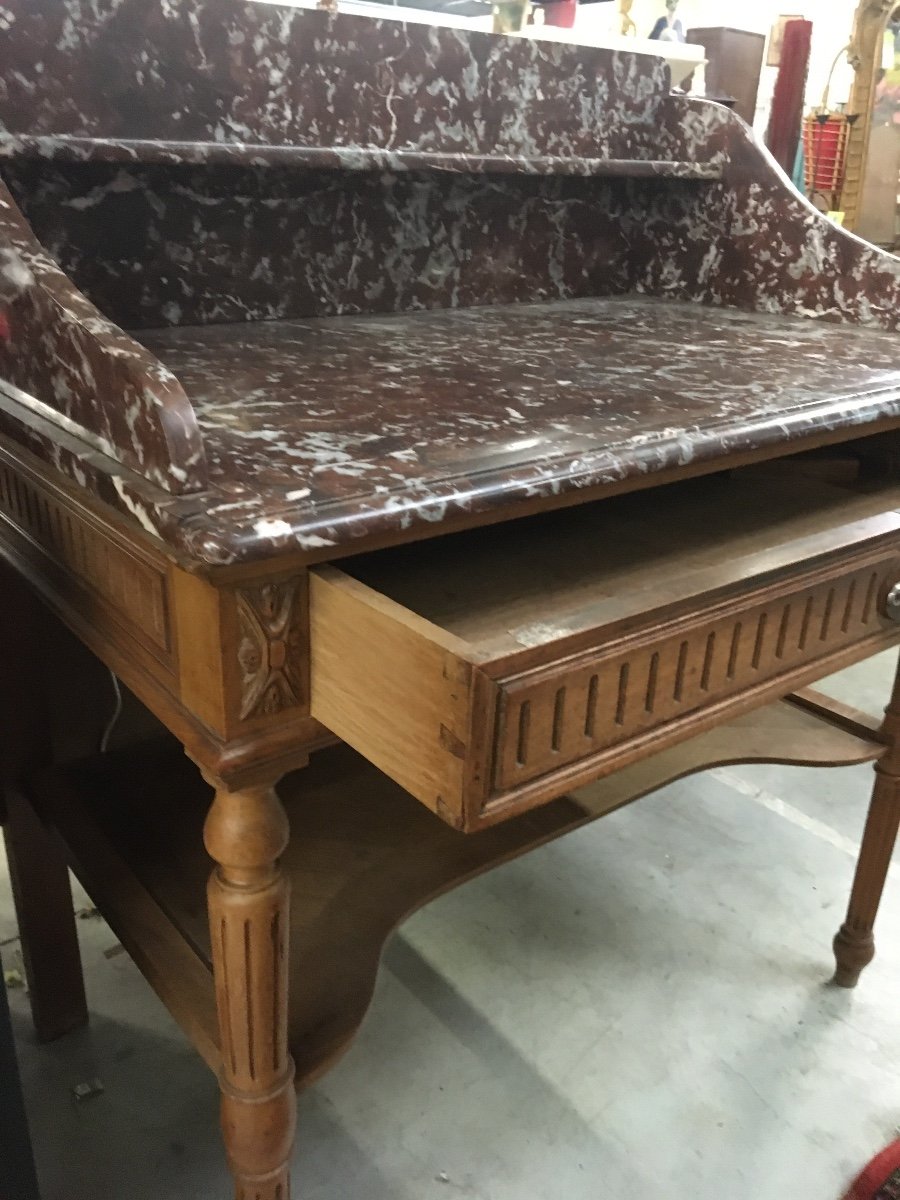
column 54, row 148
column 204, row 528
column 279, row 530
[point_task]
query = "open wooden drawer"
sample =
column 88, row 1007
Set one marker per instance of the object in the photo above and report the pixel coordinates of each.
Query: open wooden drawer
column 490, row 671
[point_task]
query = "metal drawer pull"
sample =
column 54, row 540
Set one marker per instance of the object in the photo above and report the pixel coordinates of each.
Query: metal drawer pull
column 892, row 603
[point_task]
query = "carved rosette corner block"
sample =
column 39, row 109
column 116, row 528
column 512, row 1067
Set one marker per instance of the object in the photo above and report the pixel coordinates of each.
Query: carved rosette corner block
column 270, row 648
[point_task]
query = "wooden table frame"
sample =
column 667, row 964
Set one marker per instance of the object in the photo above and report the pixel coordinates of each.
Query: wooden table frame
column 222, row 664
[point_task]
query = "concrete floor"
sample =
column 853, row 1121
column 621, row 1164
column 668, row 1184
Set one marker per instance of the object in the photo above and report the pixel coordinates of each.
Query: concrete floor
column 640, row 1010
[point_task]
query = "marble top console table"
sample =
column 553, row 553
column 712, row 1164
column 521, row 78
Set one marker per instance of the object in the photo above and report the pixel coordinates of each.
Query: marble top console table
column 459, row 434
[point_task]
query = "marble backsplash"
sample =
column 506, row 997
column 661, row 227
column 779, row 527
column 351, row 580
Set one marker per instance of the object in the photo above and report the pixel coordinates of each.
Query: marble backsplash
column 159, row 245
column 233, row 71
column 557, row 173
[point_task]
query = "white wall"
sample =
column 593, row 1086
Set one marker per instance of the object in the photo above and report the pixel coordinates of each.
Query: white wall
column 832, row 24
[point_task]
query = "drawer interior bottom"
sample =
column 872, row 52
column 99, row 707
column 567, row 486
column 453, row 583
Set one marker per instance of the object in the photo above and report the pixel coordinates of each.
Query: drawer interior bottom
column 527, row 581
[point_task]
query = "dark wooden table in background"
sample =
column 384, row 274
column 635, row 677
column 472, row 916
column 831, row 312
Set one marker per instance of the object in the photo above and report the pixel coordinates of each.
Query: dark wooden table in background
column 18, row 1180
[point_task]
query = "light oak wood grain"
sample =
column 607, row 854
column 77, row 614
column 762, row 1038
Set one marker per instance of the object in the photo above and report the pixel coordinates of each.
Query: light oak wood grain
column 493, row 672
column 363, row 855
column 248, row 903
column 854, row 944
column 488, row 675
column 394, row 686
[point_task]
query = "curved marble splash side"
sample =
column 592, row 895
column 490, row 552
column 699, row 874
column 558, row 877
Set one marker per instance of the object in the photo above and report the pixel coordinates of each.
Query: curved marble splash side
column 752, row 241
column 401, row 240
column 62, row 359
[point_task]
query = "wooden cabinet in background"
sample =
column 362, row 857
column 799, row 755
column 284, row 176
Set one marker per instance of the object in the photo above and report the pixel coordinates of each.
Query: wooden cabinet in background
column 734, row 67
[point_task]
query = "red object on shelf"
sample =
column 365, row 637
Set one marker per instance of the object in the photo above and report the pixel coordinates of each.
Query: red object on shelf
column 561, row 13
column 825, row 151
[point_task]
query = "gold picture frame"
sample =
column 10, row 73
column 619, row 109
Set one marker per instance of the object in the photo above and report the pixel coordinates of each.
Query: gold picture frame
column 864, row 53
column 776, row 38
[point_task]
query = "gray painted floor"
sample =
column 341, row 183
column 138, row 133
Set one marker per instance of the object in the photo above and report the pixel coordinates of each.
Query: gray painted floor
column 638, row 1010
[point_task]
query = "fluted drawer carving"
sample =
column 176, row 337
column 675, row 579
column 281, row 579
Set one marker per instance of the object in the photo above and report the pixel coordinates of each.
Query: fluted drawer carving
column 494, row 674
column 548, row 719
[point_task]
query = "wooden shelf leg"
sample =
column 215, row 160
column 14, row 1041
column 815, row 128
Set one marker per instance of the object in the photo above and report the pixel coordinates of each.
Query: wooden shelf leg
column 854, row 944
column 246, row 832
column 42, row 893
column 43, row 901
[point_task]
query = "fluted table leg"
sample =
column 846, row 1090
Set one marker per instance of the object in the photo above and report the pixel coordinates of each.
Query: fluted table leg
column 854, row 944
column 246, row 832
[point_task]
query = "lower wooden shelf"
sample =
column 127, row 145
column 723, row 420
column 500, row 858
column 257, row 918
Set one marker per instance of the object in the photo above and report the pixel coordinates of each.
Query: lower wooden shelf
column 363, row 856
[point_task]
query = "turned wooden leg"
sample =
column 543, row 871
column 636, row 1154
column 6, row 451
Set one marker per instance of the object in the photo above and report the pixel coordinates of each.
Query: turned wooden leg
column 246, row 832
column 854, row 945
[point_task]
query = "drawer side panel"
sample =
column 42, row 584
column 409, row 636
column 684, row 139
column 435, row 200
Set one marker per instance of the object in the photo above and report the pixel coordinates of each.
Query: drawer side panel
column 393, row 687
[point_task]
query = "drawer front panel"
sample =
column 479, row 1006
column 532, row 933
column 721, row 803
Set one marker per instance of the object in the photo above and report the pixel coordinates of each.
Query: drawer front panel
column 555, row 716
